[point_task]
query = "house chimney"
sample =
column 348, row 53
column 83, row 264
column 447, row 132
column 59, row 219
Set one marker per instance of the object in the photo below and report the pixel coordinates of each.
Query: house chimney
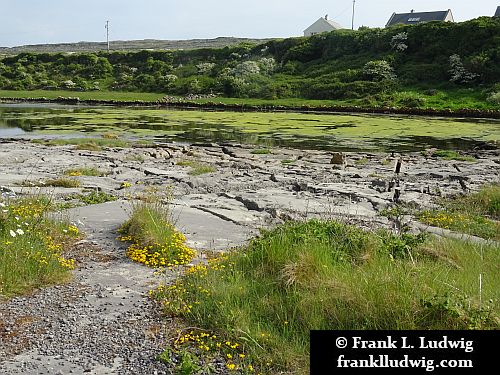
column 412, row 11
column 326, row 17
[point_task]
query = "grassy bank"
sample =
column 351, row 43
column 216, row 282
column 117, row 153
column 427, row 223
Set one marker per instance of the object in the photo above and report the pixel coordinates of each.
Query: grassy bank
column 477, row 214
column 452, row 99
column 83, row 95
column 446, row 99
column 264, row 300
column 32, row 246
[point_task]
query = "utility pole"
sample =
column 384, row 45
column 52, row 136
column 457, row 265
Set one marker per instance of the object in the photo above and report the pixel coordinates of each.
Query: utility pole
column 107, row 33
column 353, row 6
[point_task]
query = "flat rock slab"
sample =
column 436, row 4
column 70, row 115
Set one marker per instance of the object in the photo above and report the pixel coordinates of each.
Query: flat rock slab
column 203, row 230
column 206, row 231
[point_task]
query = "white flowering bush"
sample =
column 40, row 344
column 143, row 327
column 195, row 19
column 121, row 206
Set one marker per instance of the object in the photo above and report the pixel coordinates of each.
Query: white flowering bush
column 458, row 72
column 399, row 42
column 204, row 68
column 494, row 98
column 379, row 70
column 267, row 65
column 246, row 68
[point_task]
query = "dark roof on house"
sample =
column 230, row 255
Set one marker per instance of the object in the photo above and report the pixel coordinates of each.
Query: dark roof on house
column 497, row 13
column 413, row 18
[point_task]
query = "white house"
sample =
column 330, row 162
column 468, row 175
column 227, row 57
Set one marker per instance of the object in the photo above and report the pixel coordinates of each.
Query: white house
column 322, row 25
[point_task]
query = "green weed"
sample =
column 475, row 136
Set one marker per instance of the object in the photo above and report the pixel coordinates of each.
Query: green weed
column 97, row 197
column 362, row 161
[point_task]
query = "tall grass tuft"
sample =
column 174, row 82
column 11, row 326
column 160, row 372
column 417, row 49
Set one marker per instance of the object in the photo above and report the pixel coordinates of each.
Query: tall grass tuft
column 155, row 240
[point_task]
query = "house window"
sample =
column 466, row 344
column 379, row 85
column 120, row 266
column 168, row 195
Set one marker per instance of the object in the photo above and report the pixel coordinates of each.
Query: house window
column 414, row 19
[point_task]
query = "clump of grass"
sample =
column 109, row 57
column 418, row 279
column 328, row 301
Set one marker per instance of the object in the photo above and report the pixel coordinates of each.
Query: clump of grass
column 32, row 246
column 485, row 202
column 89, row 146
column 155, row 240
column 186, row 163
column 97, row 197
column 136, row 157
column 452, row 155
column 62, row 182
column 93, row 144
column 54, row 182
column 327, row 275
column 362, row 161
column 145, row 143
column 288, row 161
column 85, row 171
column 202, row 169
column 110, row 135
column 261, row 151
column 477, row 214
column 197, row 168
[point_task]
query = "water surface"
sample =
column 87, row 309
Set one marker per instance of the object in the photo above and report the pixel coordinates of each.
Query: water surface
column 357, row 132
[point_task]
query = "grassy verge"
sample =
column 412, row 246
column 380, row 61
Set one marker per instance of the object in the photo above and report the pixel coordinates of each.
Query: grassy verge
column 477, row 214
column 255, row 308
column 89, row 95
column 155, row 241
column 454, row 99
column 413, row 98
column 32, row 246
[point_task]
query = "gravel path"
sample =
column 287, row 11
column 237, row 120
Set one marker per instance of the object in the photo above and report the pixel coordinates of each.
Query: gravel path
column 100, row 323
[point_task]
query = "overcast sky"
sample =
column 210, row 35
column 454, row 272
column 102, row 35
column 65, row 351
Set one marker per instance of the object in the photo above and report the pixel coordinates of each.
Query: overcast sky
column 55, row 21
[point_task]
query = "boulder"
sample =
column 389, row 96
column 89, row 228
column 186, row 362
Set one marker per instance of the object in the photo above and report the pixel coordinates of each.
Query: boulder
column 338, row 158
